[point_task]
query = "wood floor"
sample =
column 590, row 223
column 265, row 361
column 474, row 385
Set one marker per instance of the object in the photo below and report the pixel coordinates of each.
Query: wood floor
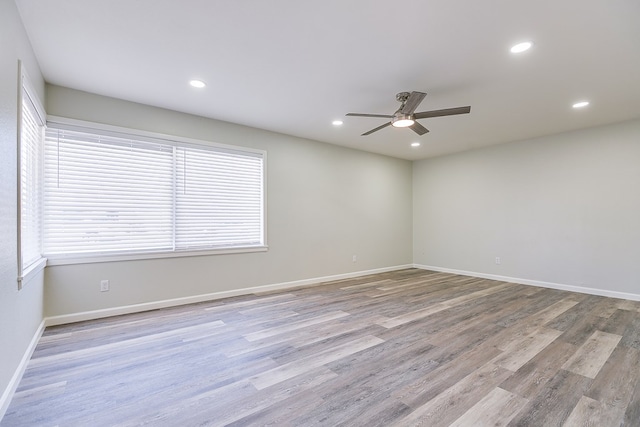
column 405, row 348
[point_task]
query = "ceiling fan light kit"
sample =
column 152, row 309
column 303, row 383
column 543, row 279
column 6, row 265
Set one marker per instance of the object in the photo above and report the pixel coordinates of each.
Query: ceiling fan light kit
column 405, row 116
column 402, row 120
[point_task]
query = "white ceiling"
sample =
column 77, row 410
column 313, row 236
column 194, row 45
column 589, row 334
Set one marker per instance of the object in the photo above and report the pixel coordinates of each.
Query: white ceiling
column 294, row 66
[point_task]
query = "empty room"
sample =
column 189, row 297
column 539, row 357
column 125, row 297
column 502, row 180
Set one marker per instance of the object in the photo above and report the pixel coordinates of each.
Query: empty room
column 287, row 213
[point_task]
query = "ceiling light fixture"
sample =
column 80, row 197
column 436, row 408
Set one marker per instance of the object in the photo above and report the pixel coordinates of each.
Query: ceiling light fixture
column 402, row 120
column 521, row 47
column 415, row 144
column 337, row 122
column 197, row 83
column 580, row 104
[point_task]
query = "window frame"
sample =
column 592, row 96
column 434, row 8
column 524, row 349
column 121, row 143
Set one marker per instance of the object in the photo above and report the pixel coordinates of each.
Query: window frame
column 27, row 90
column 179, row 141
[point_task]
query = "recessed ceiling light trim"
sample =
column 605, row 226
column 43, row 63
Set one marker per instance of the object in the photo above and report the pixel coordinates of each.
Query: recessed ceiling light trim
column 197, row 83
column 521, row 47
column 580, row 104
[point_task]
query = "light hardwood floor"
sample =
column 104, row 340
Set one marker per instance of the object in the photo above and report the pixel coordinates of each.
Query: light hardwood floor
column 405, row 348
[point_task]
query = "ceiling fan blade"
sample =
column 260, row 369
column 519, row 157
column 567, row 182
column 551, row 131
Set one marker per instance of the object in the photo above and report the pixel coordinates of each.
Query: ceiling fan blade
column 418, row 128
column 412, row 102
column 444, row 112
column 376, row 129
column 382, row 116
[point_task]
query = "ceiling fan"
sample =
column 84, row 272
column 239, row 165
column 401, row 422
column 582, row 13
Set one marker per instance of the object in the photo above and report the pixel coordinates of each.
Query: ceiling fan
column 405, row 116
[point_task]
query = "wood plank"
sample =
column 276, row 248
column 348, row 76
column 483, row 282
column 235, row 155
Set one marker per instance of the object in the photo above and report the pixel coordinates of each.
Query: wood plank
column 234, row 305
column 292, row 326
column 520, row 352
column 629, row 305
column 178, row 333
column 592, row 355
column 631, row 335
column 412, row 316
column 444, row 375
column 292, row 369
column 532, row 377
column 553, row 404
column 457, row 399
column 591, row 413
column 516, row 334
column 420, row 314
column 496, row 409
column 632, row 413
column 613, row 385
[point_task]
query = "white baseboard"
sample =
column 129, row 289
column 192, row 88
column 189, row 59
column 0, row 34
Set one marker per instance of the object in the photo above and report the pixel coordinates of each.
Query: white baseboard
column 571, row 288
column 7, row 395
column 135, row 308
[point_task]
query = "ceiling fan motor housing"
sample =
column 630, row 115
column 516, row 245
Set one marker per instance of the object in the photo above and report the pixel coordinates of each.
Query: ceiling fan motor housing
column 402, row 96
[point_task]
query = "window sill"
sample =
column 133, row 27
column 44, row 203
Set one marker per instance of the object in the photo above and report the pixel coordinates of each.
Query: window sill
column 76, row 259
column 30, row 272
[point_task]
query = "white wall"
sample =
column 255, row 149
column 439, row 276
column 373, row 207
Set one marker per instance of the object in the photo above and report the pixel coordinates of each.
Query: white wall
column 324, row 204
column 20, row 311
column 563, row 209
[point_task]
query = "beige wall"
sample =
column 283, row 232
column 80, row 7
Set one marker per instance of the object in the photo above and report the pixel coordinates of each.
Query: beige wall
column 324, row 204
column 20, row 311
column 562, row 209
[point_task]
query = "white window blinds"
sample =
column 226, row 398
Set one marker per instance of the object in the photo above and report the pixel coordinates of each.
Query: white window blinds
column 31, row 136
column 219, row 199
column 115, row 194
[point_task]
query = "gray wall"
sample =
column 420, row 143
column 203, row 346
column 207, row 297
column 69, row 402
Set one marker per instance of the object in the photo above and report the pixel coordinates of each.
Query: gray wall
column 562, row 209
column 20, row 311
column 324, row 204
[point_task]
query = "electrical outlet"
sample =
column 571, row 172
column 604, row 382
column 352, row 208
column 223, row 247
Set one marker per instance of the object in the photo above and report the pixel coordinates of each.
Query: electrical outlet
column 355, row 258
column 104, row 285
column 498, row 260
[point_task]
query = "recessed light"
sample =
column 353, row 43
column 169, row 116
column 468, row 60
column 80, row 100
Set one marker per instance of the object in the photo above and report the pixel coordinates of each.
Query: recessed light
column 336, row 122
column 197, row 83
column 521, row 47
column 580, row 104
column 415, row 144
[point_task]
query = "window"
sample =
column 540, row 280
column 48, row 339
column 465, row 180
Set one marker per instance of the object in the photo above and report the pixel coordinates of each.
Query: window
column 29, row 182
column 108, row 193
